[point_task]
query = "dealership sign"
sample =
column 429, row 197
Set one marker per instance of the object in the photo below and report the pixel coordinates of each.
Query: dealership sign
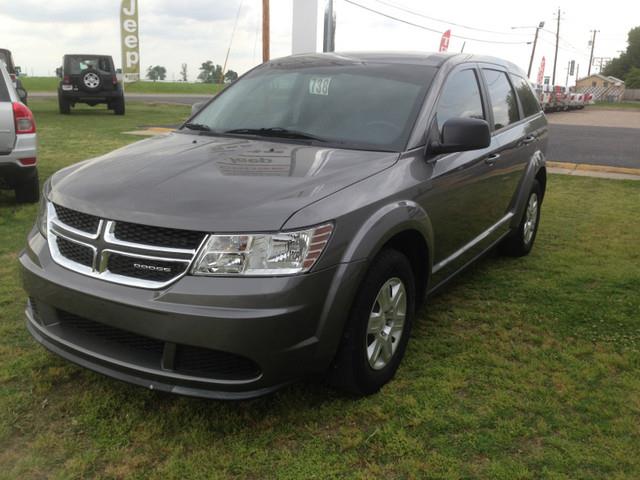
column 130, row 40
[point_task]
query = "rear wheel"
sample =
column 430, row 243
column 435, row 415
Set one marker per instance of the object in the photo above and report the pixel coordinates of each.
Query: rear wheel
column 378, row 328
column 520, row 242
column 29, row 190
column 63, row 105
column 118, row 106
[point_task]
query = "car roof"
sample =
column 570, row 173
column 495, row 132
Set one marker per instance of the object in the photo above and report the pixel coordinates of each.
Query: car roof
column 86, row 55
column 432, row 59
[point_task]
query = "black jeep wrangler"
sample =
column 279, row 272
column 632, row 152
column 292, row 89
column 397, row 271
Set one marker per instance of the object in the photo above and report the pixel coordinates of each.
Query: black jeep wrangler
column 89, row 79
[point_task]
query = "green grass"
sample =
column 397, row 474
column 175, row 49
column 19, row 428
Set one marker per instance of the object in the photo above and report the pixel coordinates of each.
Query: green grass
column 50, row 84
column 522, row 369
column 630, row 105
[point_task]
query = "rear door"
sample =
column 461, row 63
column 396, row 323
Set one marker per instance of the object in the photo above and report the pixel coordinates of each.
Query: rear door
column 7, row 127
column 511, row 134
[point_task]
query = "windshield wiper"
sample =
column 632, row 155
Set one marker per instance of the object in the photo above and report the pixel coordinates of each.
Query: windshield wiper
column 276, row 132
column 200, row 127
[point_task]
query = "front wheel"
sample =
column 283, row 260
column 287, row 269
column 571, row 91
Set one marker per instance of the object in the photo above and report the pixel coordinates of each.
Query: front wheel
column 520, row 242
column 378, row 328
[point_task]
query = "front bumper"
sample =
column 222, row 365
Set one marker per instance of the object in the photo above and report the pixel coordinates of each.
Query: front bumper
column 285, row 326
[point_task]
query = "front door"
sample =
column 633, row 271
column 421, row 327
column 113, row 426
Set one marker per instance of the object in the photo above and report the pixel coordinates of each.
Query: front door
column 460, row 200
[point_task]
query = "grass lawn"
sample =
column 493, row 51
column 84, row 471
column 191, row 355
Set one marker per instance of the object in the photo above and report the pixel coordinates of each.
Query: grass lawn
column 522, row 369
column 630, row 105
column 50, row 84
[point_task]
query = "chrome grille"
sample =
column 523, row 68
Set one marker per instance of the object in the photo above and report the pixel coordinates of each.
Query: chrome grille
column 79, row 221
column 75, row 252
column 120, row 252
column 157, row 236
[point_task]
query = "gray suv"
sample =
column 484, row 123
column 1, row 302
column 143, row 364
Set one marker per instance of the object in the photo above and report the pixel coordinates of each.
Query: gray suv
column 291, row 227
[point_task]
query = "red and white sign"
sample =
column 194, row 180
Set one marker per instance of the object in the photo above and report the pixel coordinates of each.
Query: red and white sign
column 541, row 72
column 444, row 41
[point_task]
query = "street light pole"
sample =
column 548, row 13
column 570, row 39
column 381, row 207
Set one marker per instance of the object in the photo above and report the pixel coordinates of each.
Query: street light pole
column 593, row 44
column 535, row 43
column 533, row 50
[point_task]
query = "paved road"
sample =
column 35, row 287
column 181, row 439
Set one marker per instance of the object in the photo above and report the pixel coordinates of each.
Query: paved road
column 611, row 146
column 184, row 99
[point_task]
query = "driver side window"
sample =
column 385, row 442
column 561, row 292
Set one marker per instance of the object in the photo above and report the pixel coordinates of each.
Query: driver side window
column 460, row 98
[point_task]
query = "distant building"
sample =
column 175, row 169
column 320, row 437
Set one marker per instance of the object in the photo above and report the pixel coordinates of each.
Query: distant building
column 603, row 88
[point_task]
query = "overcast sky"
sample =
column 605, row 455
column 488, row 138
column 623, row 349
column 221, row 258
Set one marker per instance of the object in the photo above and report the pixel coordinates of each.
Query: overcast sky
column 172, row 32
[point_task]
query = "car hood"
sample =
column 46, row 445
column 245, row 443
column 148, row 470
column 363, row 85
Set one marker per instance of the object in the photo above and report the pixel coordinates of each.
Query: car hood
column 216, row 184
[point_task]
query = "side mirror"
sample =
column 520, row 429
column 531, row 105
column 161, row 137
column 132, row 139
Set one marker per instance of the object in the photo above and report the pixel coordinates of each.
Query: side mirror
column 118, row 70
column 196, row 107
column 22, row 93
column 59, row 72
column 461, row 135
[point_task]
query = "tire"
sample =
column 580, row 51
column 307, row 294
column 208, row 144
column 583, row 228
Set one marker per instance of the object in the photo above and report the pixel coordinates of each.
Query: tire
column 28, row 191
column 356, row 369
column 118, row 106
column 90, row 80
column 63, row 105
column 520, row 242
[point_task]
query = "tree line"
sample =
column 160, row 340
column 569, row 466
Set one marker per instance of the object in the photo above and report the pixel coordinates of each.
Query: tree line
column 209, row 73
column 627, row 65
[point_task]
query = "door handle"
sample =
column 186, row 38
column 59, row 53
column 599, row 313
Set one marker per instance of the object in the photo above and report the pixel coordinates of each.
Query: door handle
column 528, row 139
column 491, row 159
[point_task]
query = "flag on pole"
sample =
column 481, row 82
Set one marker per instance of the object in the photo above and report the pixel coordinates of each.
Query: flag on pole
column 444, row 41
column 130, row 40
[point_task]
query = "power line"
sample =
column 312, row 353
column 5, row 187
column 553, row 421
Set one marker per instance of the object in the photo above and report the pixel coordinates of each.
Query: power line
column 417, row 14
column 431, row 29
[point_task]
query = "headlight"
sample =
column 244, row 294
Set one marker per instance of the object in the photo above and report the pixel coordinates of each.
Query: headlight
column 41, row 221
column 283, row 253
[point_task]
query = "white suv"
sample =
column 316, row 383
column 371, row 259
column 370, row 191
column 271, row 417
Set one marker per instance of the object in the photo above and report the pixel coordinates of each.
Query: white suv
column 18, row 149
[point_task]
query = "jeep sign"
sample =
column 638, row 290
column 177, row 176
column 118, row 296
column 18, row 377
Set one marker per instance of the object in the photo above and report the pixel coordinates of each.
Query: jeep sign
column 130, row 40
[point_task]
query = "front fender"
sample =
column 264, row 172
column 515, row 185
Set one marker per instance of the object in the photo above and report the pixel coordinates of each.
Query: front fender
column 386, row 222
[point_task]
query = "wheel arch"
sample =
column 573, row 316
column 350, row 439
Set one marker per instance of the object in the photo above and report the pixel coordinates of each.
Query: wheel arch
column 403, row 226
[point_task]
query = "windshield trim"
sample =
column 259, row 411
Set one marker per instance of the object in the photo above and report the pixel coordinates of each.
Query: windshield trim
column 330, row 143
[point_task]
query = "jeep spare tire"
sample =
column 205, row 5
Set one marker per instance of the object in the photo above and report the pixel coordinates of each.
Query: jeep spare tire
column 90, row 80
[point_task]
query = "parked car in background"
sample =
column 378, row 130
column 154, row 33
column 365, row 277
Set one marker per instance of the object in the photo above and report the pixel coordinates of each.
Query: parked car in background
column 18, row 149
column 89, row 79
column 7, row 58
column 293, row 225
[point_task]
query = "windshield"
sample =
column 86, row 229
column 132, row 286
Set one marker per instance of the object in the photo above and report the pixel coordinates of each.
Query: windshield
column 368, row 106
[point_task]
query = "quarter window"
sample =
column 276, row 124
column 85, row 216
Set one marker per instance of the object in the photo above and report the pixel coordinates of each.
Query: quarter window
column 460, row 98
column 503, row 99
column 529, row 102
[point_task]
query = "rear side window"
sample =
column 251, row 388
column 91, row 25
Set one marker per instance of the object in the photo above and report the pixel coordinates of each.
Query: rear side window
column 529, row 102
column 503, row 99
column 4, row 92
column 460, row 98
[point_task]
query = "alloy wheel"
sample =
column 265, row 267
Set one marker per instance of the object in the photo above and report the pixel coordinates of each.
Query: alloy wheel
column 386, row 323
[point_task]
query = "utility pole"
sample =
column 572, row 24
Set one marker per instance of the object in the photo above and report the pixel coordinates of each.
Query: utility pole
column 555, row 57
column 566, row 82
column 593, row 44
column 533, row 50
column 577, row 73
column 265, row 30
column 329, row 42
